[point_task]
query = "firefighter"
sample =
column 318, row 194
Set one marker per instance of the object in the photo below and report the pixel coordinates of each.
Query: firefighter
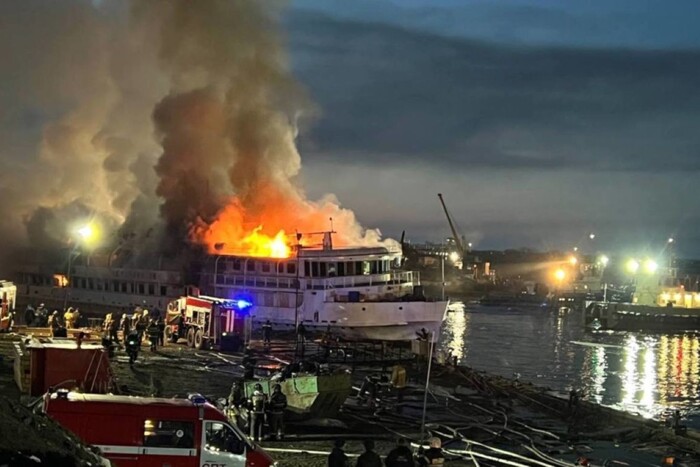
column 29, row 315
column 107, row 323
column 278, row 402
column 153, row 334
column 125, row 325
column 337, row 457
column 54, row 324
column 369, row 458
column 161, row 331
column 236, row 399
column 400, row 456
column 41, row 316
column 434, row 455
column 114, row 329
column 69, row 318
column 257, row 404
column 181, row 328
column 267, row 332
column 140, row 325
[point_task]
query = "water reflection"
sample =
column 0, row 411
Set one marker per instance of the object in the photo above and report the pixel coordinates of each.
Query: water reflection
column 454, row 331
column 649, row 375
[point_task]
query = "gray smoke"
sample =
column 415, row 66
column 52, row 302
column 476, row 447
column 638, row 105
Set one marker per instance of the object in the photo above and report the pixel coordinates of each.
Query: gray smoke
column 117, row 112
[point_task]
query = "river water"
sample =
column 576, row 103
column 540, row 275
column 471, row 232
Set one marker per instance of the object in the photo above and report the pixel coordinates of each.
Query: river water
column 647, row 374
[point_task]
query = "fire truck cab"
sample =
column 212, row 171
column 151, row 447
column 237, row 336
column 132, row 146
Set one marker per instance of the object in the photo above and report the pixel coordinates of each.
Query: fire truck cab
column 155, row 432
column 208, row 322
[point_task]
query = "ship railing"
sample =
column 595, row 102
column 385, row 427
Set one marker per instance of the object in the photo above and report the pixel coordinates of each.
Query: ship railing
column 326, row 283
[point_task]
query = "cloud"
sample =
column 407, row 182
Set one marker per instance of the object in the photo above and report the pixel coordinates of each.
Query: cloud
column 393, row 94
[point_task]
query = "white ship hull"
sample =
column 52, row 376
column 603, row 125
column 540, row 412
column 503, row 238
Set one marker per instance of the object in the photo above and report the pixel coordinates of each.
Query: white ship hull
column 393, row 321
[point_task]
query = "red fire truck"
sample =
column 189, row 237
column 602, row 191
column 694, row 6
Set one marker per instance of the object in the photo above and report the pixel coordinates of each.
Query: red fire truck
column 208, row 322
column 154, row 432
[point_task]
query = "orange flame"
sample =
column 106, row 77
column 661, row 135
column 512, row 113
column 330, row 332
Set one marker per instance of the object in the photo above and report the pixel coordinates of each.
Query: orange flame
column 259, row 244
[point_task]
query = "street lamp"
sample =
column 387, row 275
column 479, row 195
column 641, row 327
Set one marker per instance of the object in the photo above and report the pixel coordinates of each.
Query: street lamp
column 86, row 234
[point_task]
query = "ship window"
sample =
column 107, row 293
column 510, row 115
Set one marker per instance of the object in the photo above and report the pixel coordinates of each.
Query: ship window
column 168, row 434
column 219, row 278
column 341, row 269
column 365, row 267
column 91, row 285
column 151, row 289
column 291, row 268
column 374, row 268
column 265, row 265
column 123, row 287
column 236, row 264
column 322, row 269
column 307, row 269
column 163, row 291
column 250, row 266
column 141, row 289
column 314, row 269
column 280, row 268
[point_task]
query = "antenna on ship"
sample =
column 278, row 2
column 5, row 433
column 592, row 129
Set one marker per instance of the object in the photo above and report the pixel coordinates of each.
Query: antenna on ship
column 328, row 237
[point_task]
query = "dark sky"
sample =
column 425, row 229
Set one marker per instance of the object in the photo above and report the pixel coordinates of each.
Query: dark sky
column 540, row 121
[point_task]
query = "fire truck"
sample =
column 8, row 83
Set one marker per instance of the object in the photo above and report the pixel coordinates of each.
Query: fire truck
column 209, row 322
column 155, row 432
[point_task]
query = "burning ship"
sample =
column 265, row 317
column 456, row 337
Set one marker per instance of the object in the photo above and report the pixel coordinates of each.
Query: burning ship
column 355, row 292
column 199, row 148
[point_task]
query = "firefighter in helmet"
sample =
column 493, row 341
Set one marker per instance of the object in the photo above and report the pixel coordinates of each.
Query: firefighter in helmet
column 278, row 402
column 257, row 403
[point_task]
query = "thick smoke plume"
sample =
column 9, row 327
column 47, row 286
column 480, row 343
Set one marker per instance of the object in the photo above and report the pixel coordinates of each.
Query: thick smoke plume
column 115, row 112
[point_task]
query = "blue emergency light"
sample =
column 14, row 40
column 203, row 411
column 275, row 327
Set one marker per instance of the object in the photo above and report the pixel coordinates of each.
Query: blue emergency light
column 242, row 302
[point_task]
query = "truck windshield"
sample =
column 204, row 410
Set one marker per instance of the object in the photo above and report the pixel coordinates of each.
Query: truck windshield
column 221, row 437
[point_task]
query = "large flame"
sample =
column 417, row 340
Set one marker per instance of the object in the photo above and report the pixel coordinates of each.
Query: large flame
column 259, row 244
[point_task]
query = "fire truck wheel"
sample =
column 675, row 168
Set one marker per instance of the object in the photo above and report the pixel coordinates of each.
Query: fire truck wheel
column 169, row 334
column 199, row 340
column 190, row 337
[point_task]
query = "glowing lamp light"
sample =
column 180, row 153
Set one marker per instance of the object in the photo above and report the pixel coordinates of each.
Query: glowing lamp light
column 650, row 266
column 86, row 232
column 670, row 240
column 632, row 266
column 573, row 260
column 454, row 257
column 560, row 274
column 604, row 260
column 591, row 236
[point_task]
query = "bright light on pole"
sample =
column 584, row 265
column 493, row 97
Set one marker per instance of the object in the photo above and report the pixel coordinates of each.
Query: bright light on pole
column 591, row 236
column 560, row 274
column 650, row 266
column 670, row 240
column 86, row 232
column 454, row 256
column 632, row 266
column 573, row 260
column 604, row 260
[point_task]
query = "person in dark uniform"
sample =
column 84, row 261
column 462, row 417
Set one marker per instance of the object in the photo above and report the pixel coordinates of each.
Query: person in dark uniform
column 267, row 332
column 29, row 315
column 400, row 456
column 258, row 401
column 153, row 334
column 278, row 402
column 337, row 457
column 433, row 456
column 369, row 458
column 161, row 331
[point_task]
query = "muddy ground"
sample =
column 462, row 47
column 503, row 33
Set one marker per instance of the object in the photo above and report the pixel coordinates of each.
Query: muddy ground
column 477, row 416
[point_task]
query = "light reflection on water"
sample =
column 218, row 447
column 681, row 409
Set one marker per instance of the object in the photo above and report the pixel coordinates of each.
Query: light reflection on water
column 646, row 374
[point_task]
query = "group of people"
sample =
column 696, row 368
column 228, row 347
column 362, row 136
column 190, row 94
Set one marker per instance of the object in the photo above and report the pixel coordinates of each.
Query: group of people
column 259, row 408
column 140, row 323
column 400, row 456
column 58, row 322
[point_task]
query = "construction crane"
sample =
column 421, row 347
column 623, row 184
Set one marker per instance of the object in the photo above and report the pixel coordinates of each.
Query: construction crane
column 458, row 241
